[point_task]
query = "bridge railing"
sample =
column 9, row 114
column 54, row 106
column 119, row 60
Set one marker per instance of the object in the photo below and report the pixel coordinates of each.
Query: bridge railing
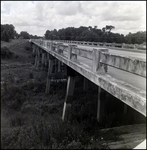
column 122, row 45
column 101, row 58
column 129, row 64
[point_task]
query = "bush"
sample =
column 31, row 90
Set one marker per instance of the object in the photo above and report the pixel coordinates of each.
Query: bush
column 5, row 52
column 13, row 98
column 28, row 46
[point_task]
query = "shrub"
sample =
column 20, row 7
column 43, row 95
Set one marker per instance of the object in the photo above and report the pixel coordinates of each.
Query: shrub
column 13, row 98
column 5, row 52
column 16, row 120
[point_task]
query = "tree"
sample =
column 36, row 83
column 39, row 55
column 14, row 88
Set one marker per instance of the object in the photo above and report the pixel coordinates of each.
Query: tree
column 47, row 34
column 89, row 36
column 135, row 38
column 8, row 32
column 90, row 28
column 25, row 35
column 5, row 35
column 95, row 27
column 109, row 27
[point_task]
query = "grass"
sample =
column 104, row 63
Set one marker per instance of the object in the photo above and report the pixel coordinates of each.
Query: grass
column 31, row 119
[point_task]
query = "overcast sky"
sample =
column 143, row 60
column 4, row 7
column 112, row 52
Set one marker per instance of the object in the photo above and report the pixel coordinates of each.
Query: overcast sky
column 36, row 17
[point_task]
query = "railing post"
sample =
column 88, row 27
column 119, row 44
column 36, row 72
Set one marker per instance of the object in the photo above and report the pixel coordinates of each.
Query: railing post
column 48, row 44
column 51, row 45
column 97, row 66
column 70, row 55
column 59, row 51
column 95, row 60
column 113, row 44
column 45, row 43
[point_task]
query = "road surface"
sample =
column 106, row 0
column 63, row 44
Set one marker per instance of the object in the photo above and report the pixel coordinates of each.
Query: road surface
column 135, row 80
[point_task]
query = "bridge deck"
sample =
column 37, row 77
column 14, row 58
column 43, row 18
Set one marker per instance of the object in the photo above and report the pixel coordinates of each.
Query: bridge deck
column 129, row 89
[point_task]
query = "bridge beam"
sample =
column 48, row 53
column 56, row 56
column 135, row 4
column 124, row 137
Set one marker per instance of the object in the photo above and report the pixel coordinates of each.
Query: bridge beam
column 69, row 92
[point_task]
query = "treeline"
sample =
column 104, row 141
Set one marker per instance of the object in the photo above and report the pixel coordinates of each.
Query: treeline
column 93, row 34
column 8, row 32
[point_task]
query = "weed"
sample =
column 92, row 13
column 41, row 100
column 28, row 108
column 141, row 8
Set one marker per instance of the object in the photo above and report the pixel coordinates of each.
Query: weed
column 13, row 98
column 16, row 120
column 5, row 52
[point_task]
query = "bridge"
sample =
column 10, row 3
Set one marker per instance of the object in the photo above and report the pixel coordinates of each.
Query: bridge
column 116, row 69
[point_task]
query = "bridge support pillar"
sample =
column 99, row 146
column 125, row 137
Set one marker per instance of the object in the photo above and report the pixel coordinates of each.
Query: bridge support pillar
column 50, row 68
column 59, row 66
column 56, row 65
column 37, row 58
column 101, row 105
column 34, row 48
column 69, row 92
column 125, row 108
column 43, row 60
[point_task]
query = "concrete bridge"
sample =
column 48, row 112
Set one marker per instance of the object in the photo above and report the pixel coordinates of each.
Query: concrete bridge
column 111, row 68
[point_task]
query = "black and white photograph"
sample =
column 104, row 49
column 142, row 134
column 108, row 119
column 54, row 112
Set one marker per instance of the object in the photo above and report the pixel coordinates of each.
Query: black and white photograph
column 73, row 74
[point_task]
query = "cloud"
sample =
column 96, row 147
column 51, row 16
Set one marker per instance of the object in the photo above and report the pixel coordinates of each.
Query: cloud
column 38, row 16
column 4, row 10
column 68, row 8
column 123, row 12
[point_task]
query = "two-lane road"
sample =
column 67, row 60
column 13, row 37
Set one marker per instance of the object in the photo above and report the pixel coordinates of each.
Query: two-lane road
column 134, row 80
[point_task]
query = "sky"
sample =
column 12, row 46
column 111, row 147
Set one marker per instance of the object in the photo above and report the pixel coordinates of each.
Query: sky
column 36, row 17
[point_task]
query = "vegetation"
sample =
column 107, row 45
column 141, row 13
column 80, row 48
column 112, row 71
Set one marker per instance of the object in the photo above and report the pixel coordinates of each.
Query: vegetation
column 8, row 33
column 95, row 35
column 5, row 52
column 91, row 34
column 31, row 119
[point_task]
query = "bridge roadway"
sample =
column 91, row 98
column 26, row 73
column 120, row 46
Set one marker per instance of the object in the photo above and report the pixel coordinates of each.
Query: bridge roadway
column 128, row 87
column 135, row 80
